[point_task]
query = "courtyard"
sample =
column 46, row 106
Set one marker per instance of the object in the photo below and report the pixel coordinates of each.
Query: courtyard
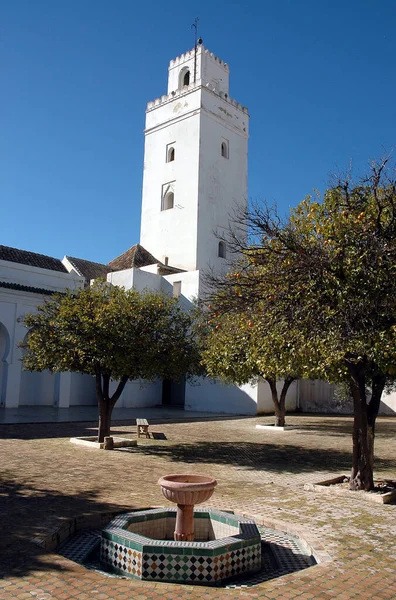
column 47, row 481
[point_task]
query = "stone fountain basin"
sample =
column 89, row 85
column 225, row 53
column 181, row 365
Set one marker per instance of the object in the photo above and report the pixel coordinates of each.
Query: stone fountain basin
column 140, row 545
column 187, row 489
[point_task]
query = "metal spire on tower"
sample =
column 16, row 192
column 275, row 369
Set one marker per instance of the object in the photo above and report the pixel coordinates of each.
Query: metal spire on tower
column 195, row 26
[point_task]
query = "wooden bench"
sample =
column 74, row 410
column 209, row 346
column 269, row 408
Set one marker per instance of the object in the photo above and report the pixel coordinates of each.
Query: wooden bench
column 142, row 427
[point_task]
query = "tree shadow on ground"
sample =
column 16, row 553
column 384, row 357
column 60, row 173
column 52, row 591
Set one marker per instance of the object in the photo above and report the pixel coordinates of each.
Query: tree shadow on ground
column 332, row 425
column 27, row 512
column 34, row 431
column 259, row 457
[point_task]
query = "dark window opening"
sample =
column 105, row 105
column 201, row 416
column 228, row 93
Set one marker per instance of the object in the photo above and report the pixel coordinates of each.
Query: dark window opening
column 222, row 250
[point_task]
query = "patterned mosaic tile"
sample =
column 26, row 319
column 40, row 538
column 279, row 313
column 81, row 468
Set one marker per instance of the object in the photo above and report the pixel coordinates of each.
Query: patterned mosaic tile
column 80, row 546
column 280, row 554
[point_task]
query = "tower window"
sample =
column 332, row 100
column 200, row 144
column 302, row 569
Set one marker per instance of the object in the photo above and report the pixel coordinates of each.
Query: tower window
column 171, row 154
column 169, row 201
column 168, row 195
column 224, row 149
column 221, row 252
column 184, row 77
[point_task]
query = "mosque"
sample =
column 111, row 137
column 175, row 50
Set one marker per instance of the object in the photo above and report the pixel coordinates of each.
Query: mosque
column 195, row 174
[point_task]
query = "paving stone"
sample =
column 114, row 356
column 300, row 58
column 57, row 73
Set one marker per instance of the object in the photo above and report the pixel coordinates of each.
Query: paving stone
column 46, row 481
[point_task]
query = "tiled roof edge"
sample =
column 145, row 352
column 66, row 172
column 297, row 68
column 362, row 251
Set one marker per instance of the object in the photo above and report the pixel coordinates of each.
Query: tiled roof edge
column 70, row 259
column 27, row 288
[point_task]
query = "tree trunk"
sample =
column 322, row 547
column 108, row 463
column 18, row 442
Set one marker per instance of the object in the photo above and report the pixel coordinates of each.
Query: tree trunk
column 105, row 403
column 282, row 399
column 362, row 474
column 279, row 409
column 105, row 411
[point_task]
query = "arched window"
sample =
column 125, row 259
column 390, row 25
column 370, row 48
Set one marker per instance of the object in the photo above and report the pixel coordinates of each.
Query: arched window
column 224, row 150
column 186, row 78
column 171, row 154
column 169, row 201
column 222, row 250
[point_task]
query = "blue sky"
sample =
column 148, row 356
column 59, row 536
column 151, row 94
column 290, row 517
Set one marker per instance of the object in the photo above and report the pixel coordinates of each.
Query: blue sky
column 318, row 77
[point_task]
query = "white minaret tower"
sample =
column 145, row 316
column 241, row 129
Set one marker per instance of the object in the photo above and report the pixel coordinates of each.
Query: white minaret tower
column 195, row 163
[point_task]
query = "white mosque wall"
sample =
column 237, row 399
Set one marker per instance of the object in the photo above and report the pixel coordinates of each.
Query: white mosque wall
column 39, row 389
column 172, row 233
column 212, row 396
column 40, row 278
column 222, row 180
column 19, row 387
column 189, row 287
column 140, row 279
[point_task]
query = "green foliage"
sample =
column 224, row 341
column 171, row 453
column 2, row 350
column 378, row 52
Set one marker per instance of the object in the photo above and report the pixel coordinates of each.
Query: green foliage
column 324, row 282
column 111, row 331
column 238, row 347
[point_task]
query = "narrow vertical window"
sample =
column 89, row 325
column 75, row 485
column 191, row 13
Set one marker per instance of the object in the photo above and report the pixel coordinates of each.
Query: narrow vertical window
column 184, row 77
column 221, row 250
column 170, row 152
column 224, row 149
column 169, row 201
column 168, row 195
column 171, row 155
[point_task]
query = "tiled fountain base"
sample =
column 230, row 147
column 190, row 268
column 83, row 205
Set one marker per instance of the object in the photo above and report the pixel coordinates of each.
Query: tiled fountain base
column 140, row 545
column 280, row 554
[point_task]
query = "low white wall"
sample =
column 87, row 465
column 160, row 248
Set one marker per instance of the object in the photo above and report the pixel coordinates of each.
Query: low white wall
column 206, row 396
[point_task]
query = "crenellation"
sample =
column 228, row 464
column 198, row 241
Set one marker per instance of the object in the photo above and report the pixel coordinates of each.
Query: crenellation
column 190, row 54
column 188, row 88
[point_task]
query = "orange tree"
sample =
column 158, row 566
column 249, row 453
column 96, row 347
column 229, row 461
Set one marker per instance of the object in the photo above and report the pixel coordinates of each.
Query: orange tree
column 325, row 282
column 237, row 349
column 112, row 334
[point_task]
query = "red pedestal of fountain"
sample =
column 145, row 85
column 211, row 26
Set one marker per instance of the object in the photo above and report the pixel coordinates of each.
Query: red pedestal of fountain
column 186, row 491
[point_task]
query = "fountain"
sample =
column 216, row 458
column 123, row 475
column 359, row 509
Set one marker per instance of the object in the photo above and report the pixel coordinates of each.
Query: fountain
column 186, row 491
column 201, row 546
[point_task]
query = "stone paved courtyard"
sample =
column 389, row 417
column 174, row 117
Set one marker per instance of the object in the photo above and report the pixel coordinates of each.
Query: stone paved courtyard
column 46, row 480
